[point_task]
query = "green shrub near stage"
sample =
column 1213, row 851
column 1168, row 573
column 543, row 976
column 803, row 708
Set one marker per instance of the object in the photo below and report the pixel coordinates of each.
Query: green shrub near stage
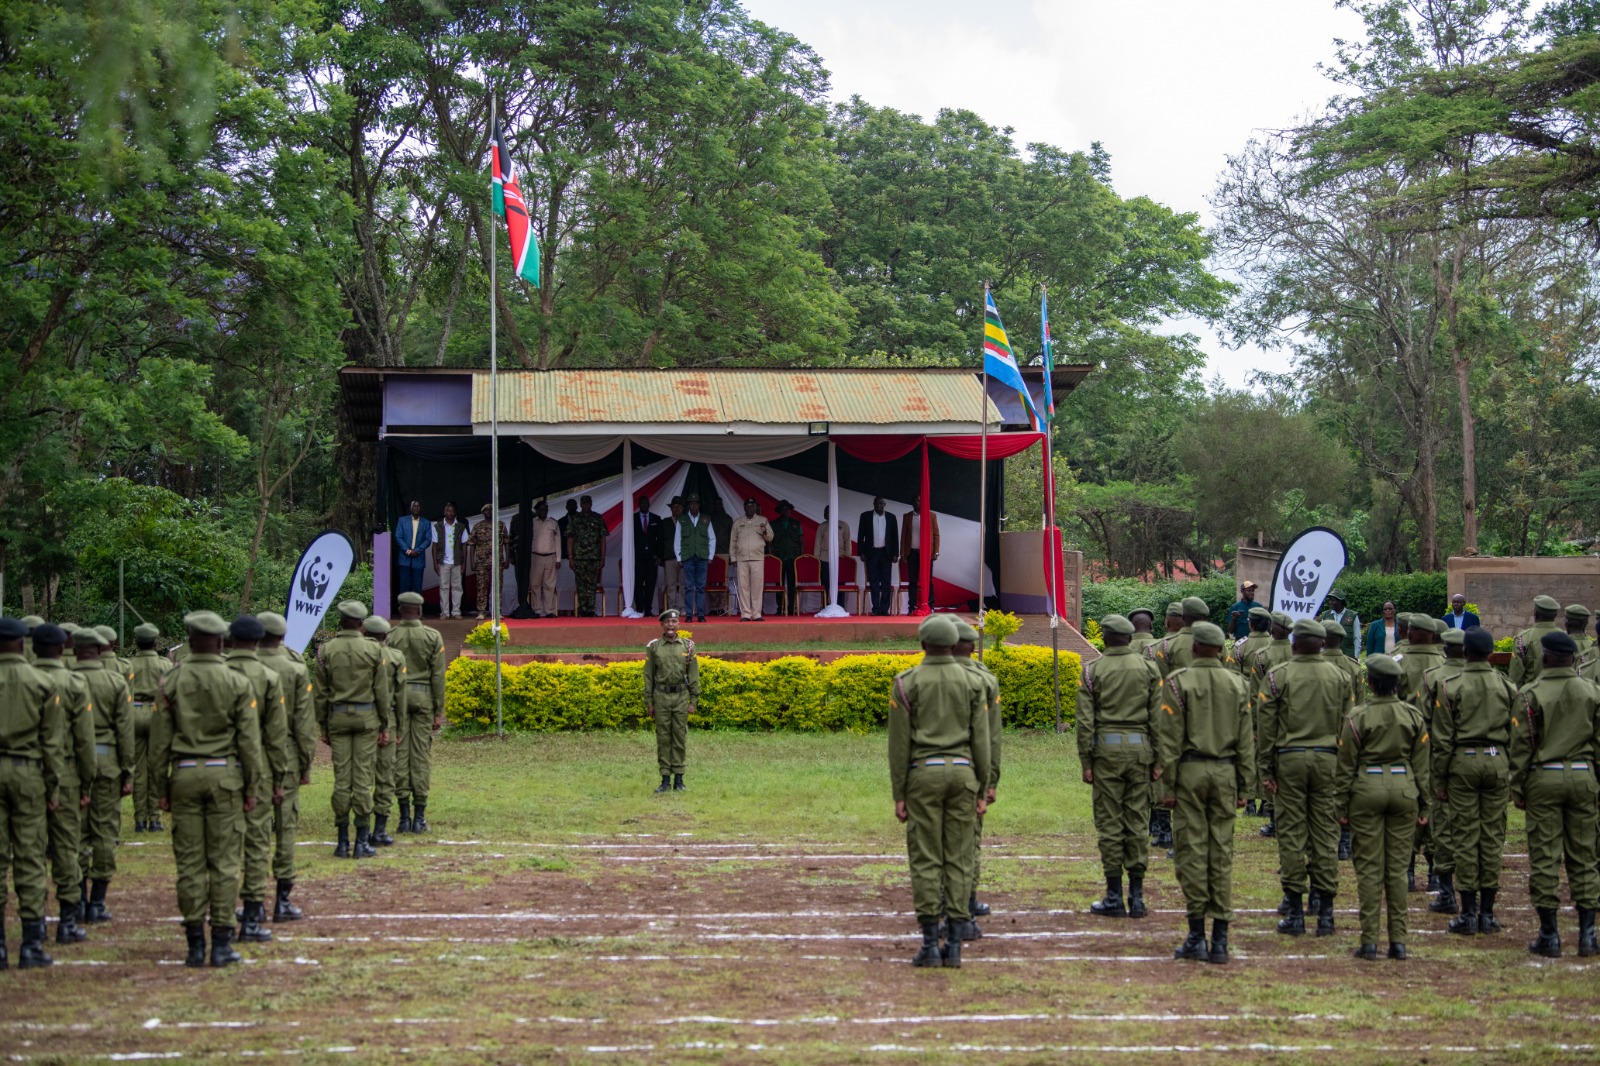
column 797, row 693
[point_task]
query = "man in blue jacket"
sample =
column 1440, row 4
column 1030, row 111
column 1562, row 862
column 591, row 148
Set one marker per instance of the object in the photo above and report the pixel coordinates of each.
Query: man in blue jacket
column 1459, row 617
column 413, row 536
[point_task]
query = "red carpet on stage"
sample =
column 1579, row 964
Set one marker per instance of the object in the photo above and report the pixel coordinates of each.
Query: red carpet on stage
column 616, row 632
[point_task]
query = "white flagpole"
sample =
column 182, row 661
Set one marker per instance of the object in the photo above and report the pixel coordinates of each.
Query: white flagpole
column 983, row 467
column 494, row 448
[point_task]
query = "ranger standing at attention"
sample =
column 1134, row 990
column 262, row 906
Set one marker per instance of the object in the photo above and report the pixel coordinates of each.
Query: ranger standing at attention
column 1118, row 695
column 1422, row 653
column 1144, row 620
column 1177, row 651
column 1441, row 874
column 113, row 748
column 966, row 643
column 1280, row 651
column 1578, row 616
column 1206, row 754
column 1555, row 742
column 586, row 547
column 145, row 671
column 390, row 740
column 1243, row 656
column 78, row 768
column 671, row 691
column 1526, row 655
column 30, row 776
column 353, row 696
column 295, row 680
column 1383, row 796
column 423, row 649
column 30, row 622
column 938, row 761
column 1333, row 652
column 272, row 723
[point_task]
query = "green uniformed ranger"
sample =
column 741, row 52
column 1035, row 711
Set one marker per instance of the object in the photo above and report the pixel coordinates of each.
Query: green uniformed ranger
column 353, row 697
column 1144, row 620
column 1525, row 653
column 1402, row 634
column 586, row 547
column 1578, row 616
column 671, row 692
column 78, row 768
column 111, row 647
column 1442, row 862
column 295, row 680
column 1151, row 649
column 113, row 748
column 1383, row 796
column 1242, row 656
column 32, row 622
column 1334, row 652
column 30, row 780
column 938, row 761
column 967, row 643
column 144, row 679
column 1471, row 775
column 1176, row 650
column 1118, row 695
column 206, row 740
column 423, row 648
column 1261, row 660
column 1303, row 703
column 377, row 629
column 1206, row 752
column 272, row 723
column 1555, row 743
column 1422, row 653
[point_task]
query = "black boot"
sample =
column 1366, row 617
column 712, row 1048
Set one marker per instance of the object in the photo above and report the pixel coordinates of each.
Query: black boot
column 929, row 955
column 1548, row 942
column 222, row 953
column 1294, row 923
column 380, row 832
column 1586, row 940
column 1249, row 808
column 5, row 956
column 419, row 821
column 977, row 909
column 1466, row 923
column 32, row 954
column 138, row 826
column 1486, row 919
column 1111, row 906
column 404, row 825
column 67, row 929
column 363, row 848
column 1155, row 824
column 156, row 826
column 1324, row 913
column 1434, row 883
column 1411, row 874
column 962, row 931
column 343, row 849
column 1446, row 903
column 677, row 783
column 1164, row 829
column 1195, row 946
column 1219, row 942
column 83, row 901
column 666, row 784
column 1397, row 951
column 195, row 933
column 252, row 931
column 1344, row 843
column 1283, row 907
column 1136, row 907
column 1271, row 828
column 954, row 934
column 1367, row 952
column 97, row 902
column 282, row 909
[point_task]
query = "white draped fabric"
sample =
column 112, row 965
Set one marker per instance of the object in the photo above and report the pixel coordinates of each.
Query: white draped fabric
column 702, row 449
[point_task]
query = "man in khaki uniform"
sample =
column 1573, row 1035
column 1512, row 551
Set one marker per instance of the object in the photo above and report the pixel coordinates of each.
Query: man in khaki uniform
column 545, row 559
column 30, row 775
column 671, row 692
column 423, row 649
column 353, row 698
column 1160, row 816
column 1243, row 658
column 1176, row 650
column 145, row 670
column 113, row 748
column 30, row 622
column 747, row 548
column 1577, row 617
column 390, row 739
column 209, row 769
column 1118, row 695
column 938, row 764
column 272, row 723
column 966, row 644
column 1333, row 651
column 1526, row 657
column 295, row 680
column 1422, row 653
column 1144, row 620
column 1442, row 869
column 1263, row 659
column 78, row 768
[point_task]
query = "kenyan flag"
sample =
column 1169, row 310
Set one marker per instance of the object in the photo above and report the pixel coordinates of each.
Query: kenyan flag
column 509, row 205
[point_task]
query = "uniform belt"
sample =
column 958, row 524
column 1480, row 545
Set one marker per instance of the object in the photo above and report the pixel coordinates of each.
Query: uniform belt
column 20, row 760
column 1319, row 750
column 941, row 761
column 1130, row 739
column 144, row 703
column 544, row 553
column 420, row 684
column 104, row 749
column 1192, row 756
column 190, row 764
column 355, row 708
column 1380, row 768
column 1564, row 766
column 670, row 688
column 1493, row 749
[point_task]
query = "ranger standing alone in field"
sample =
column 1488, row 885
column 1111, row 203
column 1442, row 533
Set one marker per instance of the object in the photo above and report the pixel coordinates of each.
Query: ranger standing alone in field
column 671, row 691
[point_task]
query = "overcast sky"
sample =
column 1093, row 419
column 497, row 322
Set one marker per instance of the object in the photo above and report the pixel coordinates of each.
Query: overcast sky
column 1169, row 87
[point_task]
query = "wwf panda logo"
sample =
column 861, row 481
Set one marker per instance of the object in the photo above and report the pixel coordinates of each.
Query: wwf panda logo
column 1303, row 578
column 315, row 576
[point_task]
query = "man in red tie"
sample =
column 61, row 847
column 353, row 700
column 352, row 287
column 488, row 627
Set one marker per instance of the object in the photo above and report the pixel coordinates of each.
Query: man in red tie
column 646, row 555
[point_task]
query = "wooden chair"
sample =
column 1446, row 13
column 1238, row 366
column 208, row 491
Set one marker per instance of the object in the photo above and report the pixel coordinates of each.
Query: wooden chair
column 808, row 577
column 772, row 581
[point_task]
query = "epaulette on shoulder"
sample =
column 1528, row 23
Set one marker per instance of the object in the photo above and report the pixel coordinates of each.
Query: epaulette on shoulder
column 652, row 644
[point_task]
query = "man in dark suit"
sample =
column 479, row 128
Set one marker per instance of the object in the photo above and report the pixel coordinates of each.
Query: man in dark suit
column 1459, row 617
column 878, row 543
column 647, row 530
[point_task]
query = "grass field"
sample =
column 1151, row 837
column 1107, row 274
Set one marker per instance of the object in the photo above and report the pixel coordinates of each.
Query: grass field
column 559, row 911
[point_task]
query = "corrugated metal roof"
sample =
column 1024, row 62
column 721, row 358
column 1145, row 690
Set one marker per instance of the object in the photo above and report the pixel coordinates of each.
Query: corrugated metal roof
column 717, row 397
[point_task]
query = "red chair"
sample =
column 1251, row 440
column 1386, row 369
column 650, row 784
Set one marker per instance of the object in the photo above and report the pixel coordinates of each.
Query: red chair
column 772, row 581
column 717, row 578
column 808, row 577
column 849, row 584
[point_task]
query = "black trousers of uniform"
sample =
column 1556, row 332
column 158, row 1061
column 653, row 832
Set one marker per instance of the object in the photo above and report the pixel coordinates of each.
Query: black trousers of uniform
column 919, row 595
column 645, row 569
column 878, row 564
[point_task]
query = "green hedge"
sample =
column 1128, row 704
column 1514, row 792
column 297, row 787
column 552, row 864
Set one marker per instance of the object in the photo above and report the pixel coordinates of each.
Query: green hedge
column 1425, row 592
column 851, row 693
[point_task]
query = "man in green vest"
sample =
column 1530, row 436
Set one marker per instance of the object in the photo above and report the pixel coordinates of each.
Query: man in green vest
column 1349, row 621
column 694, row 542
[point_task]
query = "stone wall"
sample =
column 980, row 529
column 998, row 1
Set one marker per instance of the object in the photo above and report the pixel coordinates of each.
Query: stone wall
column 1504, row 588
column 1258, row 565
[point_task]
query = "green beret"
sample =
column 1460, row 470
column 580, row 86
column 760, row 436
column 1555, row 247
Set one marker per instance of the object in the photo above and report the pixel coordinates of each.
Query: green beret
column 88, row 637
column 32, row 620
column 206, row 623
column 1305, row 627
column 1383, row 666
column 1575, row 611
column 275, row 624
column 1175, row 609
column 1403, row 618
column 352, row 609
column 411, row 599
column 939, row 631
column 1334, row 630
column 1453, row 637
column 69, row 628
column 145, row 631
column 1260, row 612
column 1282, row 620
column 964, row 630
column 669, row 615
column 1336, row 594
column 1142, row 610
column 1208, row 633
column 1116, row 623
column 1432, row 625
column 1195, row 607
column 1545, row 603
column 376, row 625
column 108, row 636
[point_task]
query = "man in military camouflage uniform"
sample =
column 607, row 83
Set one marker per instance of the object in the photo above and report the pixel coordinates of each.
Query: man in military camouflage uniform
column 353, row 698
column 423, row 649
column 390, row 739
column 966, row 644
column 79, row 765
column 1526, row 658
column 486, row 565
column 272, row 725
column 30, row 776
column 586, row 547
column 671, row 692
column 113, row 745
column 295, row 680
column 145, row 670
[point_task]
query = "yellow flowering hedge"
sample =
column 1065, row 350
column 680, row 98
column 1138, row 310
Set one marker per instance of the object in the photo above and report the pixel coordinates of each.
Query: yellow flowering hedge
column 795, row 692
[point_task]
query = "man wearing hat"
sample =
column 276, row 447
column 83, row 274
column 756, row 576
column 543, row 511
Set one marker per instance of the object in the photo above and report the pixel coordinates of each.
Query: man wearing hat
column 145, row 671
column 1205, row 755
column 586, row 547
column 206, row 740
column 282, row 770
column 295, row 680
column 354, row 697
column 1422, row 653
column 1303, row 702
column 749, row 536
column 1578, row 616
column 112, row 702
column 1334, row 653
column 1146, row 646
column 1277, row 652
column 1441, row 875
column 1174, row 652
column 111, row 645
column 671, row 692
column 938, row 765
column 1383, row 796
column 1526, row 653
column 1554, row 750
column 1349, row 621
column 79, row 765
column 694, row 542
column 1172, row 625
column 1244, row 649
column 423, row 649
column 966, row 644
column 1471, row 727
column 30, row 622
column 788, row 543
column 30, row 774
column 390, row 739
column 1118, row 695
column 1238, row 626
column 487, row 565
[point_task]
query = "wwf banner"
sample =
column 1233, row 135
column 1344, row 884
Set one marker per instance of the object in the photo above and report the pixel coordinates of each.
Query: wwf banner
column 322, row 568
column 1308, row 569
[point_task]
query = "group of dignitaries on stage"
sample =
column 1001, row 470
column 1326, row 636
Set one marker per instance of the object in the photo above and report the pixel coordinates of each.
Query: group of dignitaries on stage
column 220, row 736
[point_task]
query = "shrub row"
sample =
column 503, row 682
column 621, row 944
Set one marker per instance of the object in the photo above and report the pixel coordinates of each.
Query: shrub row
column 851, row 693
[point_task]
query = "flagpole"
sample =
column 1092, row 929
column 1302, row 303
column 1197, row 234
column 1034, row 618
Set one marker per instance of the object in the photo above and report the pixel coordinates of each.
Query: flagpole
column 983, row 473
column 1050, row 515
column 494, row 446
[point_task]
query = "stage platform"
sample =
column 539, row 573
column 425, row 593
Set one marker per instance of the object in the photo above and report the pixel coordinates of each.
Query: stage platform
column 620, row 632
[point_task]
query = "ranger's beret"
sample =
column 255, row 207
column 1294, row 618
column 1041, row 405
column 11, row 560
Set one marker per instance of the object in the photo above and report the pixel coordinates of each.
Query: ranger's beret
column 352, row 609
column 31, row 621
column 1478, row 640
column 246, row 627
column 1175, row 609
column 1116, row 623
column 145, row 631
column 12, row 628
column 1546, row 603
column 206, row 623
column 1334, row 630
column 1578, row 612
column 964, row 630
column 411, row 599
column 1432, row 625
column 376, row 626
column 1195, row 607
column 274, row 623
column 49, row 635
column 1208, row 633
column 108, row 636
column 1306, row 627
column 1453, row 637
column 1383, row 666
column 1282, row 620
column 938, row 630
column 669, row 615
column 88, row 637
column 1559, row 643
column 1260, row 612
